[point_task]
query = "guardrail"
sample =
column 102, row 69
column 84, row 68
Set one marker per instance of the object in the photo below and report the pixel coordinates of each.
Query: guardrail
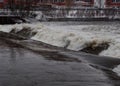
column 82, row 13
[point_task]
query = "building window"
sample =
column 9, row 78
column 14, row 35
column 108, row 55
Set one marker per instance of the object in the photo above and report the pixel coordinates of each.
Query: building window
column 1, row 1
column 85, row 0
column 54, row 1
column 88, row 0
column 116, row 1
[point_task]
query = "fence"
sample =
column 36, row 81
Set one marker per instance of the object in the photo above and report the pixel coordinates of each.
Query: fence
column 81, row 13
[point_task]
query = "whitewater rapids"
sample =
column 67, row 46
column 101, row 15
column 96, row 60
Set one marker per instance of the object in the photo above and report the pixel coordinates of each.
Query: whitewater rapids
column 74, row 37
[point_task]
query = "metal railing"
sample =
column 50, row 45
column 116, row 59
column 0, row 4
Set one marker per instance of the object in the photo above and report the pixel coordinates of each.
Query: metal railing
column 82, row 13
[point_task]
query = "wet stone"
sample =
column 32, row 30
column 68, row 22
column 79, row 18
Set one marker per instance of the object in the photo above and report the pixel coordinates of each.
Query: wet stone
column 25, row 32
column 95, row 49
column 22, row 67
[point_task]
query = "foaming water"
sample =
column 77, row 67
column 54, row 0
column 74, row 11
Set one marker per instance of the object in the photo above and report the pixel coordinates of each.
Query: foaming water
column 74, row 36
column 77, row 37
column 71, row 39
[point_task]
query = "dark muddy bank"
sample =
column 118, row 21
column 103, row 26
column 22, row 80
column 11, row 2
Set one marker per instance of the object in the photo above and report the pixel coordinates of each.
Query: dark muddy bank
column 11, row 19
column 30, row 63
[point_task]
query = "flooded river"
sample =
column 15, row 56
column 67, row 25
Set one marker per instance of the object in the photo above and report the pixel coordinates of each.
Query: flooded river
column 32, row 63
column 53, row 54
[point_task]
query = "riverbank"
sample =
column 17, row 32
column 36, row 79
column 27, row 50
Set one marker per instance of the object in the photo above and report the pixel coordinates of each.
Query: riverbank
column 30, row 63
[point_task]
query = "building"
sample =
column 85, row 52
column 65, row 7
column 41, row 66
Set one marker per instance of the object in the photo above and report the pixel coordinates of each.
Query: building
column 52, row 2
column 83, row 3
column 2, row 3
column 88, row 3
column 112, row 3
column 67, row 2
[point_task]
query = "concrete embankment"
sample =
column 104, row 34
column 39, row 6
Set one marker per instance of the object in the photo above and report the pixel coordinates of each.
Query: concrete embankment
column 26, row 62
